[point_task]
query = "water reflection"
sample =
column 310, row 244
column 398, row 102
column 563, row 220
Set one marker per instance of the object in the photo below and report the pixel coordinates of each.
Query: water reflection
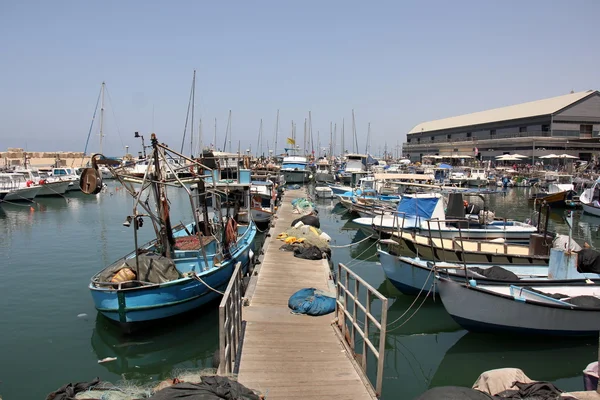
column 187, row 342
column 546, row 359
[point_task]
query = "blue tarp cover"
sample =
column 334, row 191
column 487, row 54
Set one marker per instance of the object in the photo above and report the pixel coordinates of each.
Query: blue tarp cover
column 445, row 166
column 415, row 208
column 311, row 301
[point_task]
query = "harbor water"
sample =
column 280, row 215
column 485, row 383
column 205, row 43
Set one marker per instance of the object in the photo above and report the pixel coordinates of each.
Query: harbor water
column 51, row 331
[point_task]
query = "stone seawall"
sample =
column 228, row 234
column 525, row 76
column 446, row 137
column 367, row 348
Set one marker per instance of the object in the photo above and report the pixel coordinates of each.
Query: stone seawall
column 16, row 157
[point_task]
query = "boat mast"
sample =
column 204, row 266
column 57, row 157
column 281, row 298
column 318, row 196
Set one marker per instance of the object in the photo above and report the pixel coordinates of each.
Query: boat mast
column 330, row 138
column 215, row 139
column 312, row 147
column 162, row 205
column 304, row 141
column 259, row 144
column 343, row 151
column 354, row 139
column 193, row 106
column 276, row 132
column 101, row 115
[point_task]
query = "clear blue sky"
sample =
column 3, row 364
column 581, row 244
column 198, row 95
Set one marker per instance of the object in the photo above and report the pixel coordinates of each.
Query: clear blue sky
column 396, row 63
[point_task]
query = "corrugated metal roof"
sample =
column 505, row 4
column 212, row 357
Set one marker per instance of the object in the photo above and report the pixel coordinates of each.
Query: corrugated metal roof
column 517, row 111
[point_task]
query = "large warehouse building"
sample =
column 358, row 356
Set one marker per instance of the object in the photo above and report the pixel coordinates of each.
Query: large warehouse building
column 565, row 124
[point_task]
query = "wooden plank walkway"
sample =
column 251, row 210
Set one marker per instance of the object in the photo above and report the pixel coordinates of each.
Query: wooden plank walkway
column 288, row 356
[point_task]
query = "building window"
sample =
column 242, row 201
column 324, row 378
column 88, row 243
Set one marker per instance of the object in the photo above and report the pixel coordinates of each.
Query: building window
column 585, row 131
column 408, row 140
column 522, row 129
column 469, row 134
column 433, row 138
column 449, row 136
column 418, row 140
column 493, row 132
column 456, row 150
column 545, row 128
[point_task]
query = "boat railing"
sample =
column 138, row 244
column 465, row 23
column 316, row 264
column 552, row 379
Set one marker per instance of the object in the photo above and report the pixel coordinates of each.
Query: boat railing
column 230, row 323
column 357, row 332
column 458, row 241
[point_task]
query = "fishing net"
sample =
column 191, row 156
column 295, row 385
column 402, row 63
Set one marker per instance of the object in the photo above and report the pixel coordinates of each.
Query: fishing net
column 303, row 206
column 134, row 390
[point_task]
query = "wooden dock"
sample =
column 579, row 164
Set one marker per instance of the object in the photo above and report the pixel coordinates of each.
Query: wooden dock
column 288, row 356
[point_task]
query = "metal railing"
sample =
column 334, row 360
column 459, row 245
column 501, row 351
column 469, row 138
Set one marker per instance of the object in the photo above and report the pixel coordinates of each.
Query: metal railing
column 230, row 322
column 343, row 291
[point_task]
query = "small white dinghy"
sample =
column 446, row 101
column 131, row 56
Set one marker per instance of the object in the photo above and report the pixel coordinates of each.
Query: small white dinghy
column 324, row 192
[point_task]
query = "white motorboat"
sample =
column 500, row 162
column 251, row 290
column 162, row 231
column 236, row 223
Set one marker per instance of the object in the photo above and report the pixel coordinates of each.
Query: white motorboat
column 263, row 197
column 590, row 199
column 49, row 186
column 66, row 175
column 295, row 170
column 324, row 192
column 17, row 188
column 414, row 212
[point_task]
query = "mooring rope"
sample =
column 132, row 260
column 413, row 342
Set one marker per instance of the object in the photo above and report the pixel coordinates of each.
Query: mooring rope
column 195, row 276
column 413, row 303
column 351, row 244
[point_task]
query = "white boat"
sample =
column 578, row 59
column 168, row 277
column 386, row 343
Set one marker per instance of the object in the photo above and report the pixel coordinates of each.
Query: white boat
column 48, row 186
column 323, row 173
column 263, row 197
column 478, row 177
column 17, row 188
column 458, row 177
column 413, row 275
column 538, row 309
column 66, row 175
column 355, row 164
column 294, row 169
column 414, row 212
column 590, row 199
column 324, row 192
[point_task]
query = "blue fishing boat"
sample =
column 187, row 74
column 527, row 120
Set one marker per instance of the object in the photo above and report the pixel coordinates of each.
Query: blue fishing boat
column 186, row 266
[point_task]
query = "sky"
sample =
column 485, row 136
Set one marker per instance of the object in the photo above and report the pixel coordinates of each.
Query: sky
column 395, row 63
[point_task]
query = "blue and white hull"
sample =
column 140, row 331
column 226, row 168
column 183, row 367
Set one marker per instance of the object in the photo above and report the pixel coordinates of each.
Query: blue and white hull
column 157, row 301
column 413, row 275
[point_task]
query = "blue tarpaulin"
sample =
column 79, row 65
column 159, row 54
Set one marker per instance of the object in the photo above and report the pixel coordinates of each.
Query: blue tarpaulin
column 445, row 166
column 312, row 302
column 415, row 208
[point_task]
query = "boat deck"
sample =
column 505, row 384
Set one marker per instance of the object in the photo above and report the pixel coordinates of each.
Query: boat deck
column 288, row 356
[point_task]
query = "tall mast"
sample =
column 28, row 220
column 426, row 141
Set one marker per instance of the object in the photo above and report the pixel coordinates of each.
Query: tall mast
column 343, row 150
column 102, row 115
column 330, row 138
column 276, row 132
column 193, row 106
column 200, row 149
column 304, row 140
column 334, row 141
column 259, row 144
column 354, row 140
column 312, row 145
column 215, row 139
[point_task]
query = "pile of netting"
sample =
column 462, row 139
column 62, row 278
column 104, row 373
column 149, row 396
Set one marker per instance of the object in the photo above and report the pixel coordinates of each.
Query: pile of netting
column 192, row 242
column 303, row 206
column 197, row 384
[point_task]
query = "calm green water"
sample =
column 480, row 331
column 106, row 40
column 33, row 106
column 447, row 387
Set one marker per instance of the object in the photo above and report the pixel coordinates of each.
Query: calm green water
column 50, row 250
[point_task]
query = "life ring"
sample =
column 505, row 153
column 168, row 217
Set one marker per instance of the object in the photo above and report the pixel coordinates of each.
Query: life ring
column 42, row 182
column 29, row 183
